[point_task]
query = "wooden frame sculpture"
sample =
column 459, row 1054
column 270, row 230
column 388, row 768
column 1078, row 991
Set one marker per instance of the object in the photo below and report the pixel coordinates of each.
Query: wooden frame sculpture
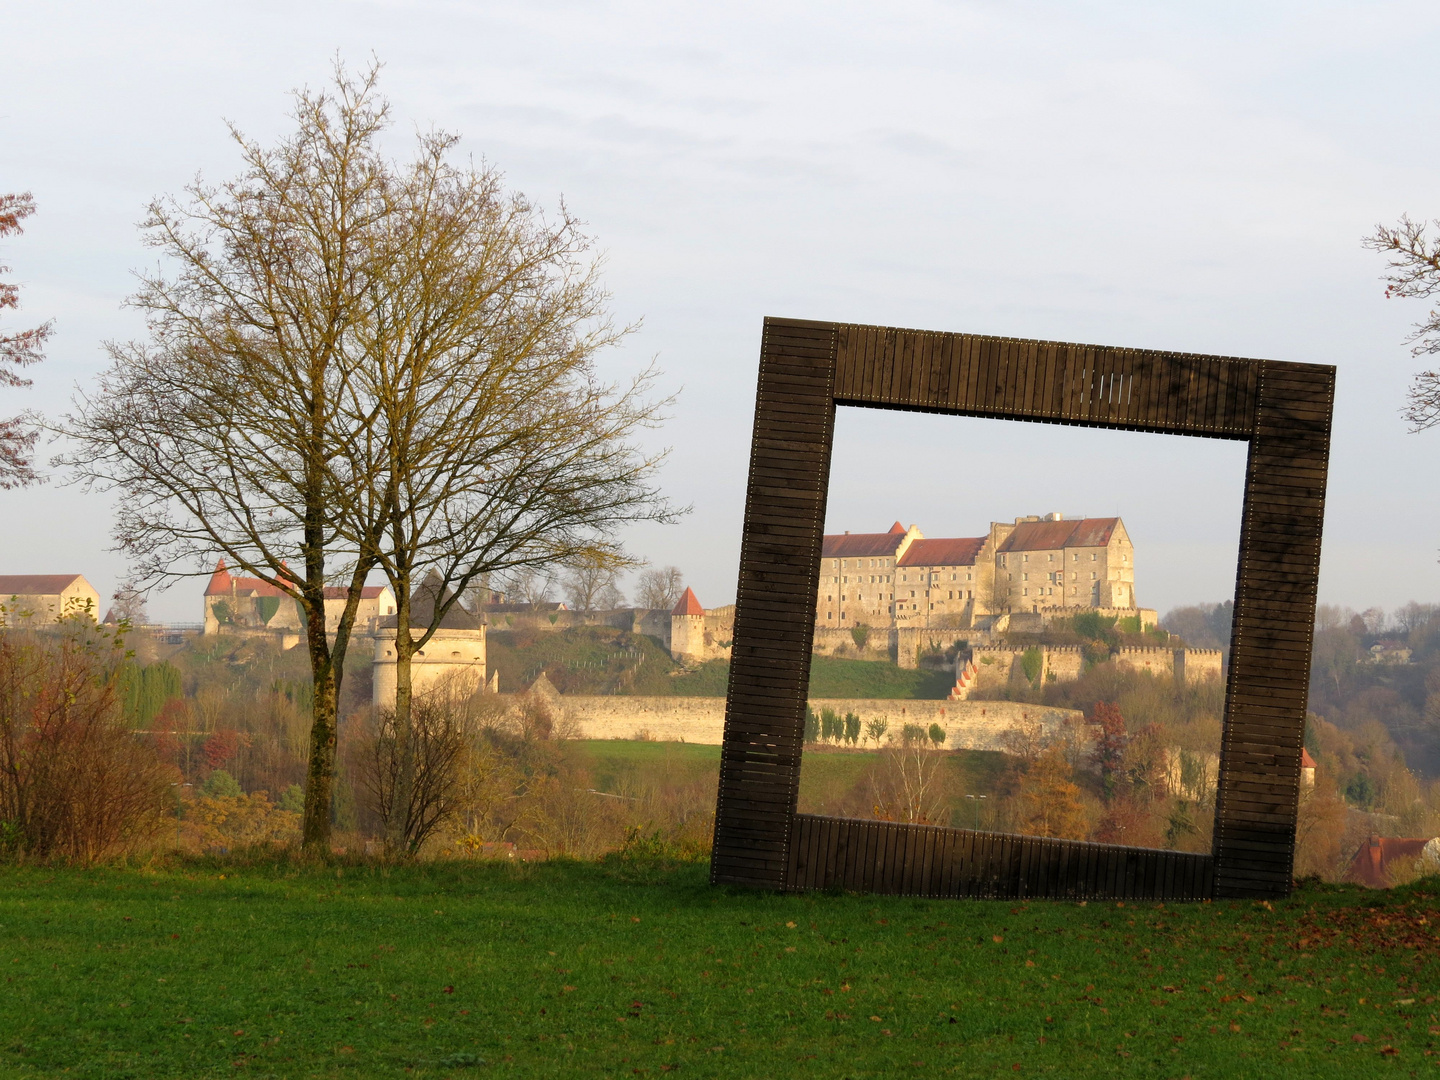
column 1282, row 410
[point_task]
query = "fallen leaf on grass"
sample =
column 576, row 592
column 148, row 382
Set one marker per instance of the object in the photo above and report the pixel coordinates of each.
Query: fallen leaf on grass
column 1357, row 1037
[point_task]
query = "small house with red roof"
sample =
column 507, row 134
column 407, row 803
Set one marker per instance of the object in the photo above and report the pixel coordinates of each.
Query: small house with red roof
column 239, row 604
column 43, row 599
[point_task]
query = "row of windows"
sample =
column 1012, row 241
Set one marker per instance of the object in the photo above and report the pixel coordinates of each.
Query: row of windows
column 1074, row 557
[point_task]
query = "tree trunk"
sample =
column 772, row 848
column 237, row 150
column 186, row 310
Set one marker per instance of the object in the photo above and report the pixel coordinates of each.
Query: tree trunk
column 320, row 776
column 397, row 829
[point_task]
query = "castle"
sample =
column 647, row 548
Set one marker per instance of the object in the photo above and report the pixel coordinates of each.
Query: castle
column 1019, row 575
column 251, row 604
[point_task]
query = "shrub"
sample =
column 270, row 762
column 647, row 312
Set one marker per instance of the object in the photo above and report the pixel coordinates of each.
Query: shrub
column 852, row 728
column 937, row 734
column 439, row 747
column 226, row 821
column 860, row 635
column 1031, row 661
column 75, row 783
column 221, row 785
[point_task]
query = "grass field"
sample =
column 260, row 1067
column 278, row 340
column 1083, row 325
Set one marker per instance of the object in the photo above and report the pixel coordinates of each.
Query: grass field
column 566, row 969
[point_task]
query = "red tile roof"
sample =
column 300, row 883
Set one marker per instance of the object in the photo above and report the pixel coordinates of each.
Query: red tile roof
column 1306, row 761
column 1368, row 865
column 223, row 583
column 689, row 605
column 940, row 552
column 1054, row 535
column 35, row 584
column 856, row 545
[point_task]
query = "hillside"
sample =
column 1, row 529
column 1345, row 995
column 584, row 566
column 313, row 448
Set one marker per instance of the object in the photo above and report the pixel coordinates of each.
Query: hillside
column 603, row 660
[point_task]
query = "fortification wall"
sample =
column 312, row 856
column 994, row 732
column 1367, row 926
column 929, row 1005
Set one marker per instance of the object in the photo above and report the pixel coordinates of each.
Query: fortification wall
column 1152, row 658
column 1186, row 665
column 1196, row 665
column 703, row 637
column 653, row 622
column 968, row 725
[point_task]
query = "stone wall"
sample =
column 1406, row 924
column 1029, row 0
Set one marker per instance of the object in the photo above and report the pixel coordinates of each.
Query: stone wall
column 698, row 638
column 458, row 655
column 1187, row 665
column 653, row 622
column 968, row 725
column 900, row 645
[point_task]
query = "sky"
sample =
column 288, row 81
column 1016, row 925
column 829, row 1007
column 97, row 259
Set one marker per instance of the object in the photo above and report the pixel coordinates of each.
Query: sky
column 1189, row 177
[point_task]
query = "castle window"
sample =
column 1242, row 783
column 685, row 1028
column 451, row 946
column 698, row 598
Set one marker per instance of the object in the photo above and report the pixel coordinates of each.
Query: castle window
column 1092, row 556
column 1024, row 577
column 829, row 615
column 1024, row 592
column 1093, row 575
column 1024, row 558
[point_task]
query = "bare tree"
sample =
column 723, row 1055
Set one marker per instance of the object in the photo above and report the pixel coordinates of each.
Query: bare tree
column 1413, row 270
column 908, row 783
column 436, row 794
column 17, row 350
column 222, row 432
column 659, row 588
column 533, row 585
column 127, row 605
column 491, row 442
column 588, row 587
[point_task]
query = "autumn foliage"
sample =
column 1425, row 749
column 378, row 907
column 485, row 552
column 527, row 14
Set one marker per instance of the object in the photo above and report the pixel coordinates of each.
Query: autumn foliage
column 75, row 783
column 17, row 350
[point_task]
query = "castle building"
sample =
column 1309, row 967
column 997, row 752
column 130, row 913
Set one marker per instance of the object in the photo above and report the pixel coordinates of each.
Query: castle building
column 249, row 604
column 454, row 655
column 1047, row 565
column 43, row 599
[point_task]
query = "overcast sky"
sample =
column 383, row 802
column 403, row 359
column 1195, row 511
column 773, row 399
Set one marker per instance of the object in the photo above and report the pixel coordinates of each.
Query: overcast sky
column 1192, row 177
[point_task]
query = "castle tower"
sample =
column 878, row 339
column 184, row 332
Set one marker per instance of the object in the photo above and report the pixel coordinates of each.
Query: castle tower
column 455, row 652
column 687, row 628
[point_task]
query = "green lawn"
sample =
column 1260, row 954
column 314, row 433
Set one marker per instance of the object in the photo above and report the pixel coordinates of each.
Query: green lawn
column 567, row 969
column 603, row 660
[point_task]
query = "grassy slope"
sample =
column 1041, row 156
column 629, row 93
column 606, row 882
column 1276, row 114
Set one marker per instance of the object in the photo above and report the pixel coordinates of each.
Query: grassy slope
column 600, row 660
column 574, row 970
column 826, row 775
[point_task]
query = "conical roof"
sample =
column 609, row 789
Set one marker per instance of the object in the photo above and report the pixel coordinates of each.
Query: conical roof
column 688, row 605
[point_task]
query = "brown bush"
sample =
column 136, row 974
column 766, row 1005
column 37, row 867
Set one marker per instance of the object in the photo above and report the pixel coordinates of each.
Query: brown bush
column 75, row 782
column 440, row 746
